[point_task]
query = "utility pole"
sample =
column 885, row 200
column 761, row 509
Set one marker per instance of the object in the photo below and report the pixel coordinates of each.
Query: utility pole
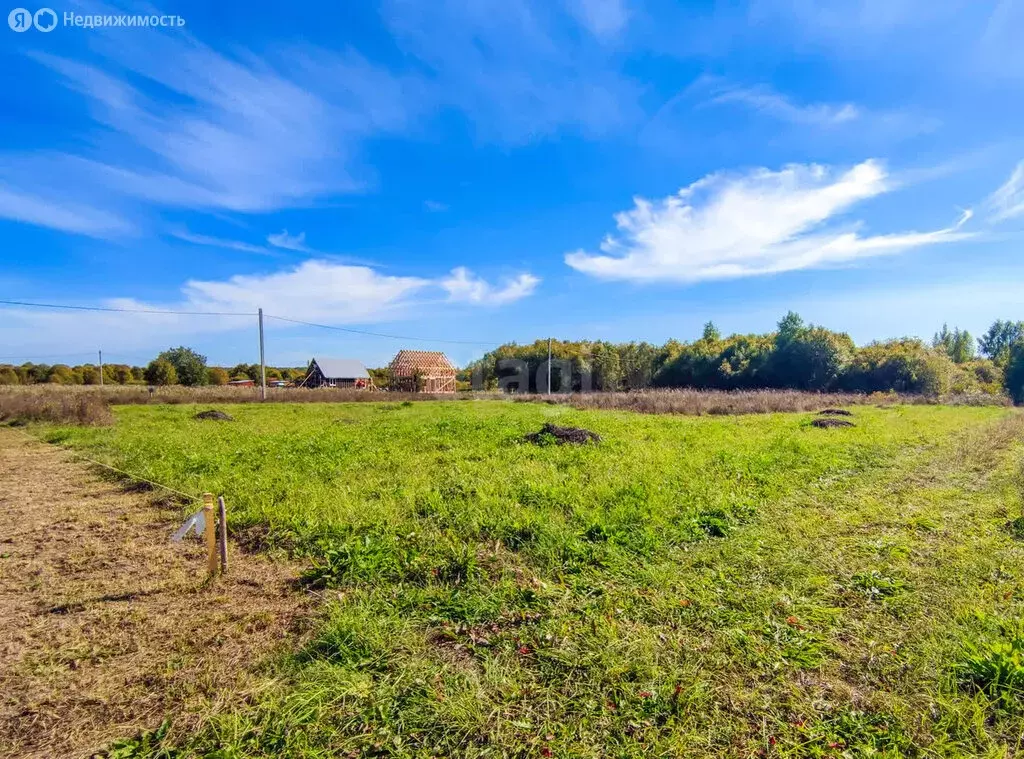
column 263, row 365
column 549, row 366
column 101, row 368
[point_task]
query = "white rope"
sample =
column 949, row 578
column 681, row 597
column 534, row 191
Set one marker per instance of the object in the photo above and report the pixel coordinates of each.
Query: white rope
column 76, row 454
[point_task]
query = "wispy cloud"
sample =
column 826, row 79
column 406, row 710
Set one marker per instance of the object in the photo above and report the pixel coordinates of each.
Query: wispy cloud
column 218, row 242
column 762, row 98
column 519, row 70
column 1008, row 201
column 725, row 226
column 56, row 213
column 435, row 206
column 603, row 18
column 177, row 124
column 289, row 242
column 465, row 287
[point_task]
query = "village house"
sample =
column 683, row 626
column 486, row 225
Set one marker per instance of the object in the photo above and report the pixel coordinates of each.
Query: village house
column 422, row 372
column 337, row 372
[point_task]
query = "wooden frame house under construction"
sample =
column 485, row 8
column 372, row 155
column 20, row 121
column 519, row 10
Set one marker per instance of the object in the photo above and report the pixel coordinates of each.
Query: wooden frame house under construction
column 422, row 372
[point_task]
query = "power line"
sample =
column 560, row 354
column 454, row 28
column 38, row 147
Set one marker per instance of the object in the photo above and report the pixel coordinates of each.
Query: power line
column 379, row 334
column 126, row 310
column 50, row 355
column 135, row 354
column 238, row 313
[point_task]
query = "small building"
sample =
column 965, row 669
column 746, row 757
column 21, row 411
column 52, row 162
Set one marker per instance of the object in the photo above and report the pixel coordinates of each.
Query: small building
column 242, row 383
column 422, row 372
column 337, row 372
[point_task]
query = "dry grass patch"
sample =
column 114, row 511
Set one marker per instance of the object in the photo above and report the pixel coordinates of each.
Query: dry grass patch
column 728, row 402
column 106, row 627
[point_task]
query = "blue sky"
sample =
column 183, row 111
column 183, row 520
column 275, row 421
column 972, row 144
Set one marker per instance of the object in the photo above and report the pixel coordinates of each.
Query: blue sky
column 479, row 172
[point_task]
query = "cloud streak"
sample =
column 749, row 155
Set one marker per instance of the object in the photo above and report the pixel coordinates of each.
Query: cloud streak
column 519, row 70
column 56, row 213
column 603, row 18
column 289, row 242
column 244, row 133
column 726, row 226
column 764, row 99
column 218, row 242
column 1008, row 201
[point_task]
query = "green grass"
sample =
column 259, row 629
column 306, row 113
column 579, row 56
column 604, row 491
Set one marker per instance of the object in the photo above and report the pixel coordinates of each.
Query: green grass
column 714, row 586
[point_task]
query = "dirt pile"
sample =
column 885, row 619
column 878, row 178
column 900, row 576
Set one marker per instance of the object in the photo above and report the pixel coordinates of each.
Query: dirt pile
column 562, row 435
column 835, row 412
column 219, row 416
column 830, row 422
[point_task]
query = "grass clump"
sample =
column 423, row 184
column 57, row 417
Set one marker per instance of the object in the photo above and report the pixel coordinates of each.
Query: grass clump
column 996, row 666
column 876, row 585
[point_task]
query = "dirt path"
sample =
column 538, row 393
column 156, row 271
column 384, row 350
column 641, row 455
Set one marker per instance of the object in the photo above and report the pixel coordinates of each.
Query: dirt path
column 105, row 626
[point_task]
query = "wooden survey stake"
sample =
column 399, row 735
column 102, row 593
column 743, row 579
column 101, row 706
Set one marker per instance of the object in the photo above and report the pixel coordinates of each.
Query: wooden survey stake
column 211, row 535
column 223, row 534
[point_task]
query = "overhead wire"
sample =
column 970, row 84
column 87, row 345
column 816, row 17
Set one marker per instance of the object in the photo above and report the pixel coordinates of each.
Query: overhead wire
column 350, row 330
column 126, row 310
column 378, row 334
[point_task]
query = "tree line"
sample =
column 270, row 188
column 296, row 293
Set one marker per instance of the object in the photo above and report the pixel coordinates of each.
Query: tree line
column 796, row 356
column 175, row 366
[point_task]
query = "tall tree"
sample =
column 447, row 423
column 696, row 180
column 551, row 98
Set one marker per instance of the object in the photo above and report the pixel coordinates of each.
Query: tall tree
column 1013, row 379
column 996, row 342
column 958, row 344
column 189, row 365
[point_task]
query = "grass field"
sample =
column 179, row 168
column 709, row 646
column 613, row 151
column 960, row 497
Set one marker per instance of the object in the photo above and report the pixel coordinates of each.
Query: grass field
column 690, row 586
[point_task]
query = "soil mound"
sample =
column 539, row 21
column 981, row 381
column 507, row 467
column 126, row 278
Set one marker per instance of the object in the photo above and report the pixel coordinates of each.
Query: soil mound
column 829, row 422
column 835, row 412
column 219, row 416
column 562, row 435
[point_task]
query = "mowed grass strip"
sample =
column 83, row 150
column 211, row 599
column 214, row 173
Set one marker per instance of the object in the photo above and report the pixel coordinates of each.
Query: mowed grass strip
column 689, row 586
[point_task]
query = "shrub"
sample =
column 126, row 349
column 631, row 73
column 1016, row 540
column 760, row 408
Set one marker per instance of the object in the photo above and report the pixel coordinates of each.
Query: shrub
column 905, row 365
column 216, row 376
column 161, row 372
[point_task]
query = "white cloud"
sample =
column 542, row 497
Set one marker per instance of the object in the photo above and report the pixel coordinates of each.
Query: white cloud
column 435, row 206
column 319, row 291
column 1008, row 201
column 725, row 226
column 56, row 213
column 218, row 242
column 604, row 18
column 313, row 291
column 769, row 102
column 289, row 242
column 463, row 286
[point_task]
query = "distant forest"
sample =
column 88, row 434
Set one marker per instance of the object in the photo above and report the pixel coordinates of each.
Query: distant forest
column 795, row 356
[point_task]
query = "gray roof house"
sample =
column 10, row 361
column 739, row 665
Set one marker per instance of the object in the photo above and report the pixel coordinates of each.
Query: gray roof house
column 337, row 372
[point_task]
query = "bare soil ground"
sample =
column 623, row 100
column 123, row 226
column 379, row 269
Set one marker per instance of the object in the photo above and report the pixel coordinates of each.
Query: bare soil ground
column 106, row 628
